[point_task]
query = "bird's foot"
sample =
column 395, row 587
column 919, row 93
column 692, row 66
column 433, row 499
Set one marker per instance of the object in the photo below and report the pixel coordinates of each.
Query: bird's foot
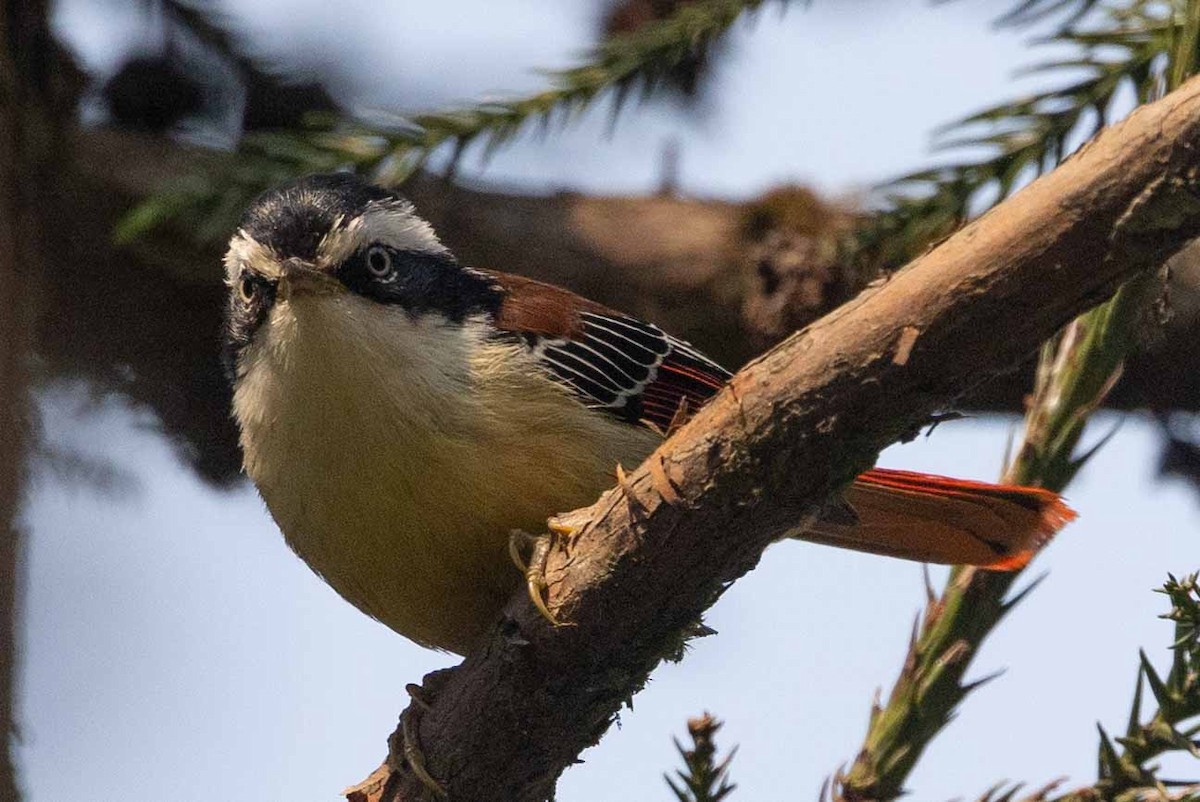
column 410, row 746
column 535, row 569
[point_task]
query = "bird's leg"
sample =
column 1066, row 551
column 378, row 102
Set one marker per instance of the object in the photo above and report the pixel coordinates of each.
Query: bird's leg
column 518, row 541
column 535, row 569
column 415, row 758
column 410, row 746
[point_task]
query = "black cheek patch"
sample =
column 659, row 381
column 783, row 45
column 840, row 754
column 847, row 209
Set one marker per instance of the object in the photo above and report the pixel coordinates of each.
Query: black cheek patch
column 424, row 284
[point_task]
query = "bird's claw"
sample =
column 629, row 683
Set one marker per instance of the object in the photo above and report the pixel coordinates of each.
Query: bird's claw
column 535, row 569
column 411, row 748
column 559, row 528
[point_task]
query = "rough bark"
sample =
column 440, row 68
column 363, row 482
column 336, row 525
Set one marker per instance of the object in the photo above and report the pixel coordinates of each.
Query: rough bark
column 791, row 429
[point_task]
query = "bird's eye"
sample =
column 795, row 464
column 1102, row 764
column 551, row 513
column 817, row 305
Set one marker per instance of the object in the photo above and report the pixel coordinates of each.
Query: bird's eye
column 247, row 289
column 379, row 261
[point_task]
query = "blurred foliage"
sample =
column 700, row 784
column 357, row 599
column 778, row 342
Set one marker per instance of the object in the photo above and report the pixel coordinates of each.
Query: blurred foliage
column 152, row 93
column 795, row 209
column 1125, row 771
column 689, row 74
column 1118, row 53
column 1076, row 370
column 1181, row 450
column 636, row 63
column 1027, row 12
column 702, row 779
column 1117, row 50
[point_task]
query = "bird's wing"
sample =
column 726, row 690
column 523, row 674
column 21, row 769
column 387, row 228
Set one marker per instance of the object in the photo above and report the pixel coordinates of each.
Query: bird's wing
column 637, row 372
column 612, row 362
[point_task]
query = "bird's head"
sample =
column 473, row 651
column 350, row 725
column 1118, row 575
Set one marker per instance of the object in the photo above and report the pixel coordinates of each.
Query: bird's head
column 335, row 238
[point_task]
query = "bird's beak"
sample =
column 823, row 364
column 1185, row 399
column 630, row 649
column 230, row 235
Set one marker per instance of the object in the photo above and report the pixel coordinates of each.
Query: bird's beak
column 297, row 277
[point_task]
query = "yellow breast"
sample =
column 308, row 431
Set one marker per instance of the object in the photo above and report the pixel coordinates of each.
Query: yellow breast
column 396, row 454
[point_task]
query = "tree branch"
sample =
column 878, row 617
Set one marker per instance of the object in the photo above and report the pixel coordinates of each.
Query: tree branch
column 789, row 431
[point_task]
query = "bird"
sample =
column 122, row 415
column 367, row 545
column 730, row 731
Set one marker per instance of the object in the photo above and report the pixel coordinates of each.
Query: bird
column 401, row 414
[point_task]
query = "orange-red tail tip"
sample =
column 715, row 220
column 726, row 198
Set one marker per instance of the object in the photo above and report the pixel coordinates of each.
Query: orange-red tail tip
column 1054, row 516
column 1013, row 562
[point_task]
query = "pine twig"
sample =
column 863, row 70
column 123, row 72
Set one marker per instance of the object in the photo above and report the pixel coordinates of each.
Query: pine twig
column 636, row 63
column 702, row 779
column 1125, row 772
column 1125, row 762
column 1024, row 138
column 1076, row 371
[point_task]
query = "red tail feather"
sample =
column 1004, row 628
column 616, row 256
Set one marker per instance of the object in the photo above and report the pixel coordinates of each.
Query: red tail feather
column 931, row 518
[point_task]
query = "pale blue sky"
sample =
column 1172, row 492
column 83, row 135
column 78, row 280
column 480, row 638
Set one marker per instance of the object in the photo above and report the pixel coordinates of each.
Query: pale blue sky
column 172, row 640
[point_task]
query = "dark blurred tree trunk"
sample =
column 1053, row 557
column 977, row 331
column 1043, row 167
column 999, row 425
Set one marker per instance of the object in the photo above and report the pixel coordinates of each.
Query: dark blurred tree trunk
column 35, row 85
column 14, row 335
column 16, row 325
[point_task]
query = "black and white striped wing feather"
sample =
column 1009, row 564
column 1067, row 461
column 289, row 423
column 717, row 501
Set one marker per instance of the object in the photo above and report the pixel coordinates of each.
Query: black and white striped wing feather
column 631, row 369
